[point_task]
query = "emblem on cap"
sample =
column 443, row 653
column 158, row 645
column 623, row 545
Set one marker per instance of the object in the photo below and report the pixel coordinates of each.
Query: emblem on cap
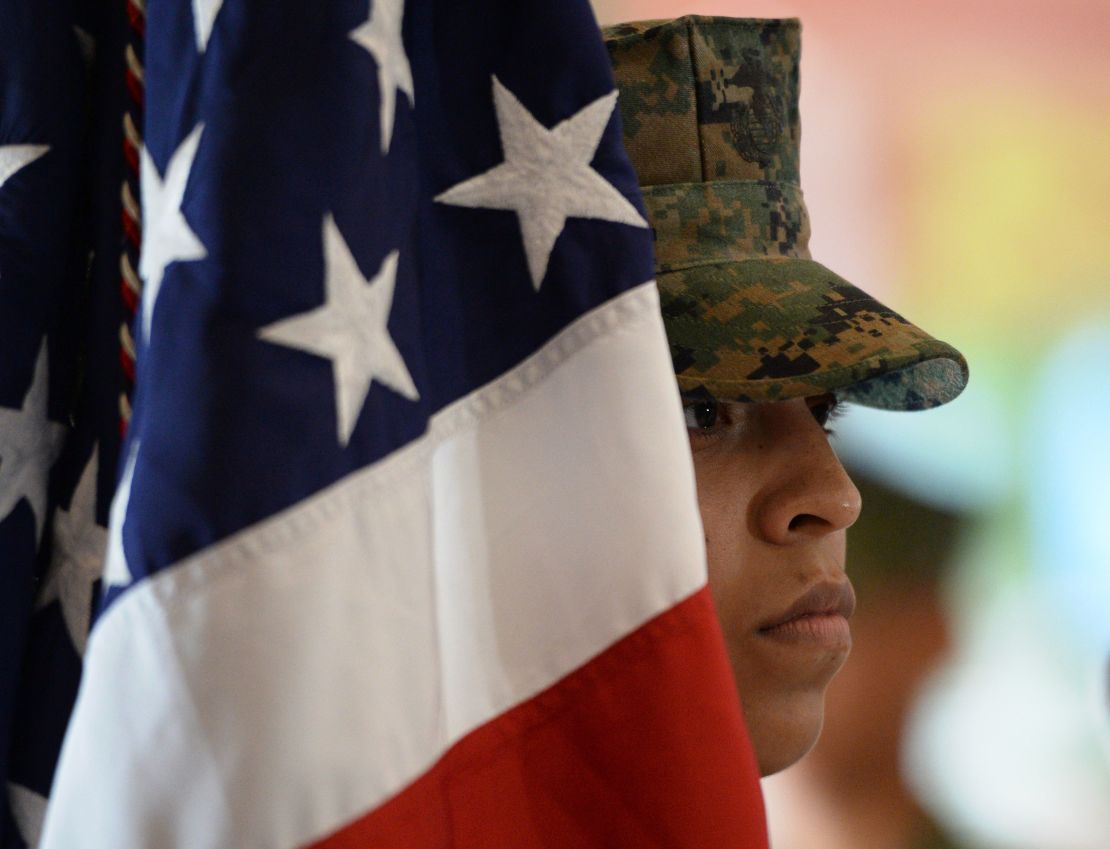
column 748, row 101
column 757, row 123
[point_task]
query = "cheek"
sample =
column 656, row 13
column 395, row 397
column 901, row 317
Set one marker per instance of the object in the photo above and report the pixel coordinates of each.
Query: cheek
column 727, row 482
column 727, row 545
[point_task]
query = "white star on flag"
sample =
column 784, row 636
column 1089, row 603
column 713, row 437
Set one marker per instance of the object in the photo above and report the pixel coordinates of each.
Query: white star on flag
column 204, row 18
column 350, row 330
column 546, row 177
column 14, row 157
column 116, row 571
column 29, row 444
column 167, row 236
column 85, row 43
column 380, row 35
column 28, row 810
column 77, row 558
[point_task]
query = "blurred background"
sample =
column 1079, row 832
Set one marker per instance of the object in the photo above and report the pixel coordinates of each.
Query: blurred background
column 956, row 163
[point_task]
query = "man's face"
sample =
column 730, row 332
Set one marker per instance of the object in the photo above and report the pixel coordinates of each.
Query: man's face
column 775, row 503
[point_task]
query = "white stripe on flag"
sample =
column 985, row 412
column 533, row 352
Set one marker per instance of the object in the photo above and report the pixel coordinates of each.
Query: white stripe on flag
column 291, row 678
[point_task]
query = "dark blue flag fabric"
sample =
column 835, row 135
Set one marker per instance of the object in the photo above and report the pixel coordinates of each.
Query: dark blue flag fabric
column 41, row 125
column 64, row 72
column 40, row 115
column 403, row 548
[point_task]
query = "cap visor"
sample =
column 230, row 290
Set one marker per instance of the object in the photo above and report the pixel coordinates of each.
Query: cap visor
column 771, row 329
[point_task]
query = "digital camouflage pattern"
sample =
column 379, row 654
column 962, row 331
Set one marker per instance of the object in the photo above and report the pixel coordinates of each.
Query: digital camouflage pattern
column 710, row 114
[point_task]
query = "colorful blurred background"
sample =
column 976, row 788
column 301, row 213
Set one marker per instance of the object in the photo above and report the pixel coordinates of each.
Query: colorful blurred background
column 956, row 163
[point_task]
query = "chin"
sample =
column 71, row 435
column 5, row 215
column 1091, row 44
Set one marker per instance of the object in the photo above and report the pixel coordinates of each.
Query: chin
column 783, row 734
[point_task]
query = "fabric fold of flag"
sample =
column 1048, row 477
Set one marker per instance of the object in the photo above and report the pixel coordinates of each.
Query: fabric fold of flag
column 406, row 549
column 59, row 281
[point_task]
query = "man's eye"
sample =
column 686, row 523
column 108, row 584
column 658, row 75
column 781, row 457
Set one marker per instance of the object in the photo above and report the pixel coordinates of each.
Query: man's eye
column 700, row 415
column 821, row 411
column 825, row 410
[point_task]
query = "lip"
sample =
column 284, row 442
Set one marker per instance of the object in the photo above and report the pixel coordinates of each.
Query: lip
column 820, row 614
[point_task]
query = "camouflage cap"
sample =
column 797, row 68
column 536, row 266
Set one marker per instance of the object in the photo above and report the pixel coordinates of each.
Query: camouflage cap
column 710, row 113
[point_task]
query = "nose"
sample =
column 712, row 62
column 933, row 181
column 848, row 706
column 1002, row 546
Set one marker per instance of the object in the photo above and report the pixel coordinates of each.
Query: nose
column 811, row 495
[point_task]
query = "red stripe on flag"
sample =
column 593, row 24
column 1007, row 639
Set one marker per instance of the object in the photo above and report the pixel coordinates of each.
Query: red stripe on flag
column 131, row 154
column 131, row 229
column 130, row 299
column 135, row 87
column 137, row 18
column 128, row 365
column 644, row 746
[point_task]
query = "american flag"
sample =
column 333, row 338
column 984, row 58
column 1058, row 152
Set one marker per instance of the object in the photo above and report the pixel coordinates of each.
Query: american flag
column 404, row 549
column 62, row 98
